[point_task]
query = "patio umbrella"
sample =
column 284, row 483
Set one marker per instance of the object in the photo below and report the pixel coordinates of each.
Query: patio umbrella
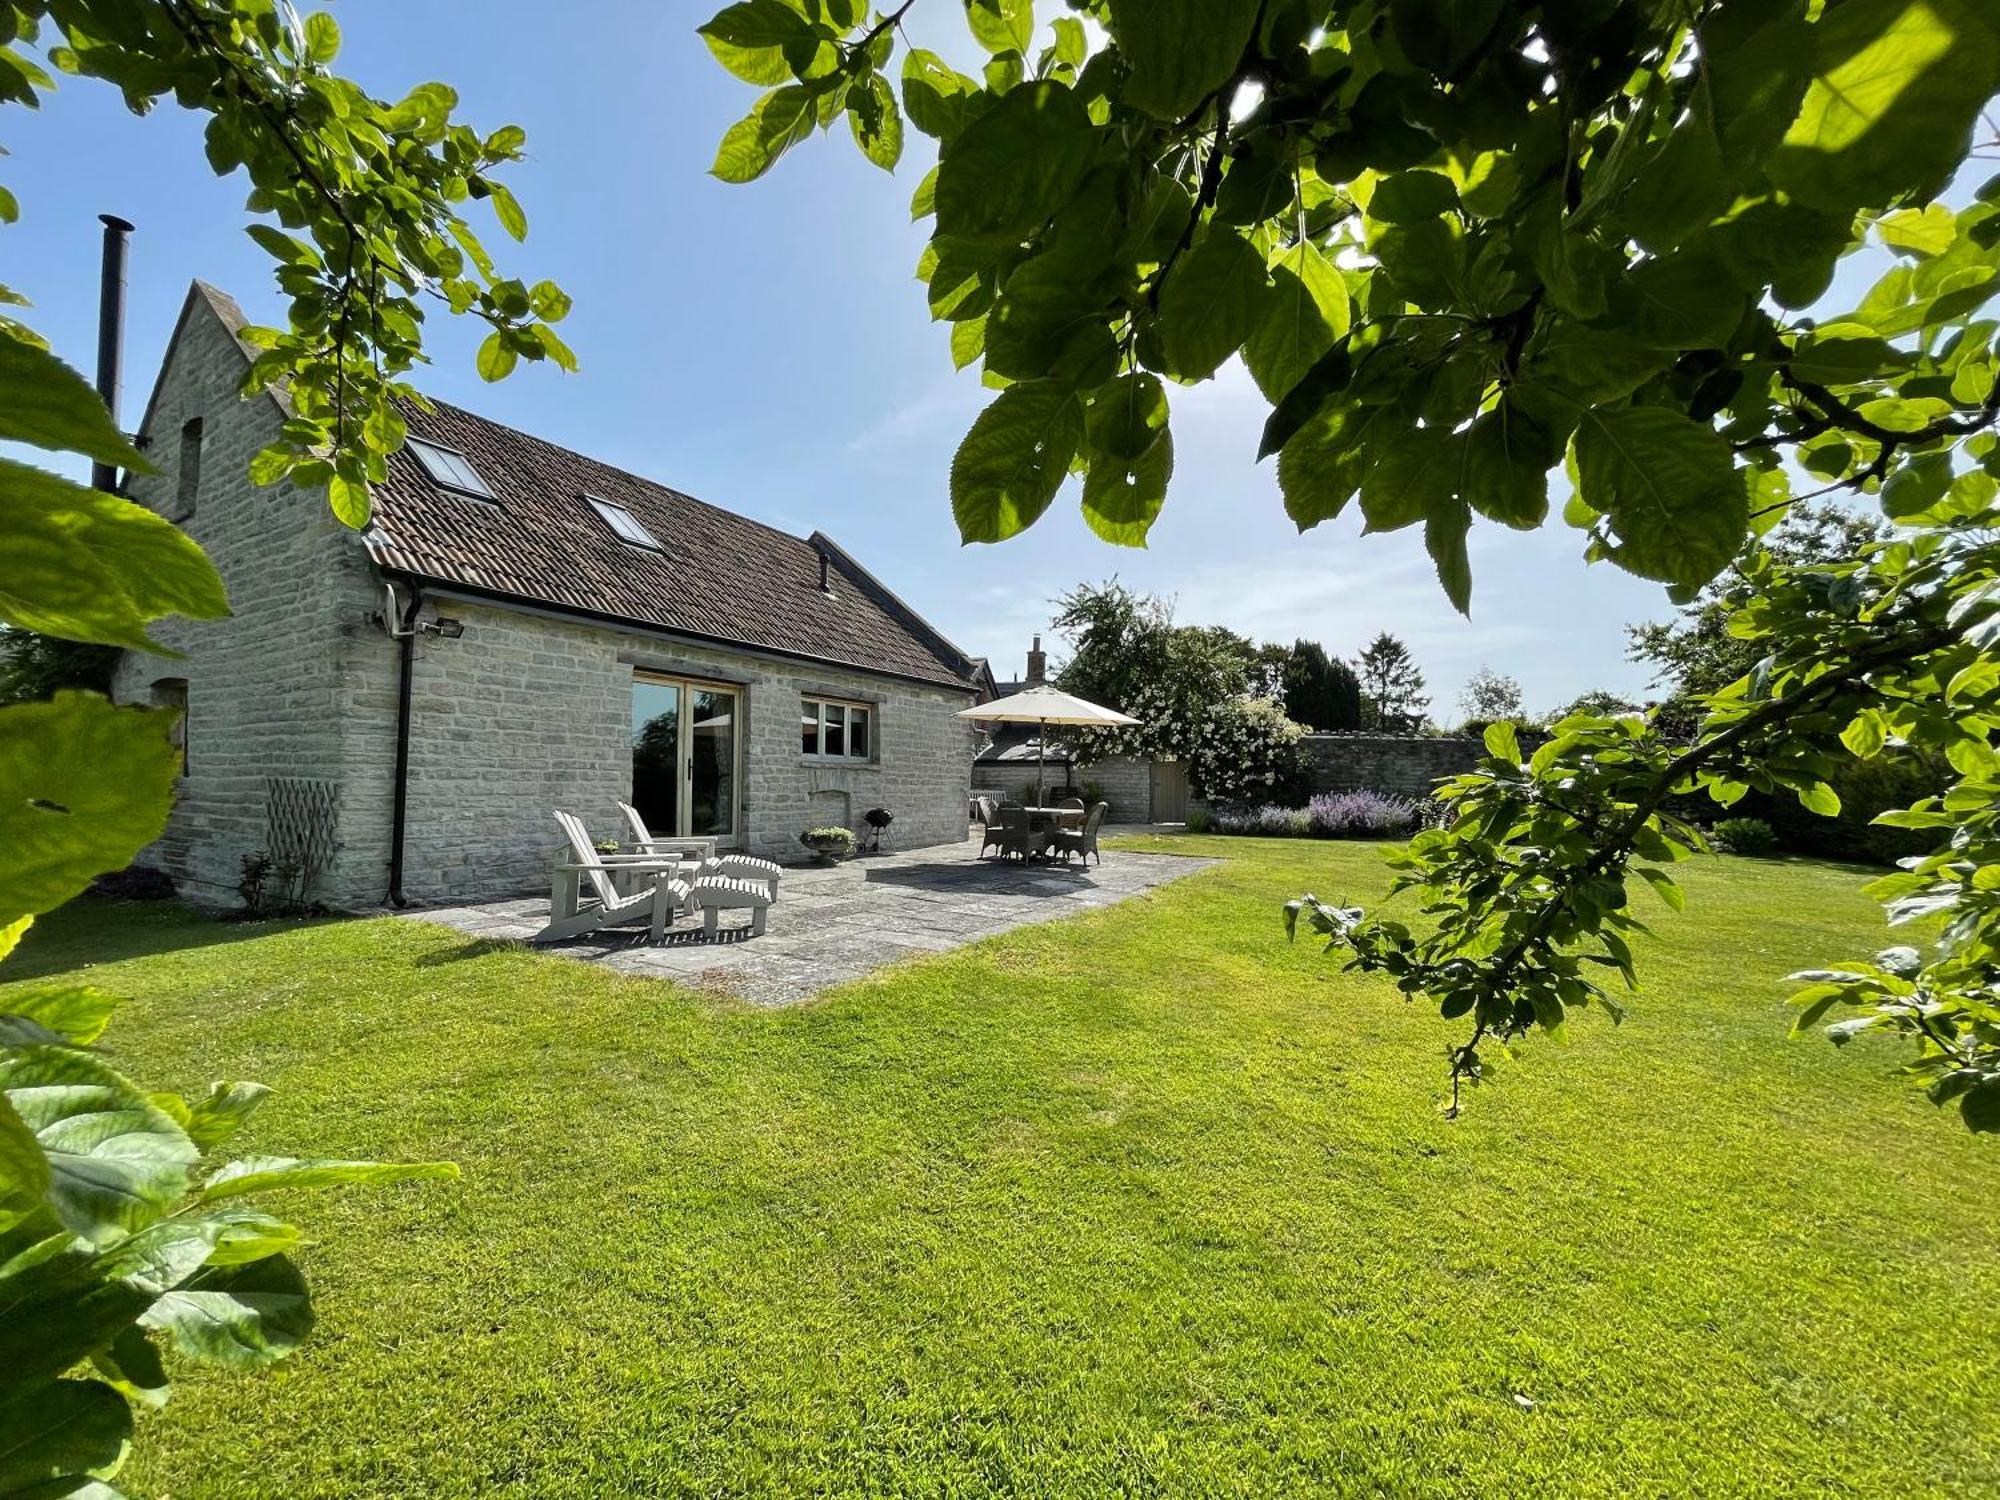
column 1045, row 705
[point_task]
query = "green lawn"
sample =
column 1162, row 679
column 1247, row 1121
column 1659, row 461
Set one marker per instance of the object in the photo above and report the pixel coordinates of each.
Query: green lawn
column 1141, row 1203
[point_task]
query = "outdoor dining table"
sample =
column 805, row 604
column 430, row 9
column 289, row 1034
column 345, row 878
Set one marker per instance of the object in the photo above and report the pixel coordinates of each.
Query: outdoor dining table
column 1055, row 817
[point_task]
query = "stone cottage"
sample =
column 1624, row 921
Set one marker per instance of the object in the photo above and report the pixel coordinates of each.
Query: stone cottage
column 394, row 714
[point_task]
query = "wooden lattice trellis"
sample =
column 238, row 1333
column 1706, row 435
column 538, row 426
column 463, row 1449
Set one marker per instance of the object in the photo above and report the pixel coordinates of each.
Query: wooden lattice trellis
column 300, row 816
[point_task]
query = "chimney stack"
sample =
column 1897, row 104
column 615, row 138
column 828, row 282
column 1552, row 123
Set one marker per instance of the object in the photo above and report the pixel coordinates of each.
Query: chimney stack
column 1038, row 664
column 110, row 334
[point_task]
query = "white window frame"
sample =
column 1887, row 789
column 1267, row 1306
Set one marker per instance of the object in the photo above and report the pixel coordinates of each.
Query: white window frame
column 847, row 757
column 445, row 476
column 627, row 527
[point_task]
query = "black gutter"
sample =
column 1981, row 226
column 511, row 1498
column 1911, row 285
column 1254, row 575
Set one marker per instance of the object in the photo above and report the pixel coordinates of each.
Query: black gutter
column 526, row 605
column 110, row 335
column 406, row 673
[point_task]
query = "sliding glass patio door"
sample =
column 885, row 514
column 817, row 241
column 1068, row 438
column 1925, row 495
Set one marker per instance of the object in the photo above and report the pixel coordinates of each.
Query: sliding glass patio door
column 685, row 744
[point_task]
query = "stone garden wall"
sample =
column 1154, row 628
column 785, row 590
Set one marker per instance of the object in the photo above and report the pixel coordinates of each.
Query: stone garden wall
column 1405, row 764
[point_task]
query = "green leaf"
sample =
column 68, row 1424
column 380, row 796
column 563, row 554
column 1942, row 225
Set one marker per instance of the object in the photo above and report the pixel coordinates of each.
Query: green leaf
column 217, row 1116
column 1897, row 88
column 553, row 346
column 87, row 566
column 1417, row 470
column 1127, row 417
column 83, row 788
column 1819, row 798
column 77, row 1012
column 348, row 497
column 1071, row 45
column 1324, row 463
column 1979, row 1107
column 1013, row 167
column 496, row 357
column 265, row 1174
column 1329, row 375
column 244, row 1316
column 1179, row 51
column 322, row 38
column 1411, row 197
column 939, row 99
column 1864, row 734
column 1214, row 298
column 1002, row 26
column 1661, row 881
column 507, row 209
column 1595, row 364
column 1013, row 460
column 757, row 27
column 56, row 1430
column 876, row 122
column 1304, row 316
column 1442, row 34
column 1680, row 301
column 46, row 403
column 1445, row 531
column 1668, row 487
column 131, row 1365
column 1123, row 497
column 549, row 302
column 776, row 123
column 24, row 1168
column 116, row 1160
column 1504, row 466
column 1502, row 743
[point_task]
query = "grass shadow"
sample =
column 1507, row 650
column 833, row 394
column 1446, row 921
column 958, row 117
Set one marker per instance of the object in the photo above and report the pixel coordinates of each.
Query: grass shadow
column 140, row 929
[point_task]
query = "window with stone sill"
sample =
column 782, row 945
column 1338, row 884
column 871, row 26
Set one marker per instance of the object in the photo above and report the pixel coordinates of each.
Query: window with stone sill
column 831, row 729
column 187, row 487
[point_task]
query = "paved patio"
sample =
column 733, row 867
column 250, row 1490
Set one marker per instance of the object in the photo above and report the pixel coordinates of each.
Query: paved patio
column 833, row 924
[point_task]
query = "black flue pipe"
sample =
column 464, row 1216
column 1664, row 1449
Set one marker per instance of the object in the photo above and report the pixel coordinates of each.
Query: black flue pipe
column 110, row 334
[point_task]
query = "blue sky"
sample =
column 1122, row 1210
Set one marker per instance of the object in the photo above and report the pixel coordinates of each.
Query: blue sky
column 767, row 348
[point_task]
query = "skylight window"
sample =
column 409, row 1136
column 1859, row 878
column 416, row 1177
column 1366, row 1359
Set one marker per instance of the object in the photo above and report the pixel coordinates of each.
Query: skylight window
column 624, row 525
column 450, row 468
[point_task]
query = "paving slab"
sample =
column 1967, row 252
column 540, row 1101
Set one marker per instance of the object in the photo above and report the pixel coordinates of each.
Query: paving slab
column 836, row 923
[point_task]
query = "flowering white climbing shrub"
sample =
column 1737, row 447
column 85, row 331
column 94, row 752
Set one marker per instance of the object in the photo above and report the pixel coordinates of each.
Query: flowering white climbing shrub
column 1240, row 750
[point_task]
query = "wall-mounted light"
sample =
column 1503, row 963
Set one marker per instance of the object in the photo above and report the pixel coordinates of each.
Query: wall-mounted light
column 444, row 628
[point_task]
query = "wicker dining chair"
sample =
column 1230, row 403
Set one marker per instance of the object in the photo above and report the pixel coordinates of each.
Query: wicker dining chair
column 1082, row 842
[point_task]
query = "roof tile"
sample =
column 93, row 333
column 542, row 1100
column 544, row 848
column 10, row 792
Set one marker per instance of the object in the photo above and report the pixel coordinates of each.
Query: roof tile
column 721, row 576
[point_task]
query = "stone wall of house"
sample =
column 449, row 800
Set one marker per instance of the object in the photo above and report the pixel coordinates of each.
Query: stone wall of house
column 523, row 714
column 1406, row 764
column 263, row 691
column 526, row 713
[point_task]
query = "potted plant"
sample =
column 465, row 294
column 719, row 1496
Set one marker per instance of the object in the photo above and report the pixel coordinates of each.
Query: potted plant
column 878, row 820
column 830, row 844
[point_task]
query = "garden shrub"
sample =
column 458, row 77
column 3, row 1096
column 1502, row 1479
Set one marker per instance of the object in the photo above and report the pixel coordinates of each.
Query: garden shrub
column 1200, row 820
column 1266, row 821
column 1743, row 836
column 1245, row 752
column 1362, row 815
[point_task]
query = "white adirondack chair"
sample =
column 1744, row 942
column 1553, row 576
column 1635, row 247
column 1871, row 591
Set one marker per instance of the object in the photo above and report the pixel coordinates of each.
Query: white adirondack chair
column 704, row 861
column 701, row 850
column 584, row 899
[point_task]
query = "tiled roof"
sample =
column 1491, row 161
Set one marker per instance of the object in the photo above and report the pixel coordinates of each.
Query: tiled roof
column 720, row 577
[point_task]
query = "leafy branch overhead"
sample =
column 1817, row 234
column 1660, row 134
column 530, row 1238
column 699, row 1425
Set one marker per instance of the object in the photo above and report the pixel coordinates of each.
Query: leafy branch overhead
column 117, row 1239
column 366, row 201
column 1457, row 245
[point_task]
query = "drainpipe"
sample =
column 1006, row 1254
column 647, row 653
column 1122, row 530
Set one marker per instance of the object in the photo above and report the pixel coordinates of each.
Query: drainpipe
column 404, row 629
column 110, row 335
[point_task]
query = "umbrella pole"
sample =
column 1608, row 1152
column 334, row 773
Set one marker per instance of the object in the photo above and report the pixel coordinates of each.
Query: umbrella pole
column 1041, row 757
